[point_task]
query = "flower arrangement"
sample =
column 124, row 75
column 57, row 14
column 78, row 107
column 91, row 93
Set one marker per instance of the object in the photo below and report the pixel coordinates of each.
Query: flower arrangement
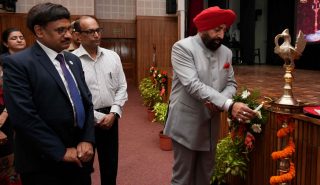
column 162, row 80
column 159, row 78
column 246, row 131
column 232, row 151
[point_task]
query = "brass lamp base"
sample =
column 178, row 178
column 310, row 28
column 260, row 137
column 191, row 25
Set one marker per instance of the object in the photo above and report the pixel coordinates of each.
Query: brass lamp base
column 287, row 100
column 287, row 109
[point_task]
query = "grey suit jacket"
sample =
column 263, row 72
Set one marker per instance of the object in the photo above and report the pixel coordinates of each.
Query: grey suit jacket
column 199, row 75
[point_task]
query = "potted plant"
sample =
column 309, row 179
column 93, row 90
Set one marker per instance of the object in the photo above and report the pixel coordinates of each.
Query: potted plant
column 150, row 95
column 160, row 110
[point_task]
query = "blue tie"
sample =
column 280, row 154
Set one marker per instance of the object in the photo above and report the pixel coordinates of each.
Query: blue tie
column 74, row 93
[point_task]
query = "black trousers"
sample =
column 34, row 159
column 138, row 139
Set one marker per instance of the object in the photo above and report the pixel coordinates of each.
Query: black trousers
column 67, row 174
column 107, row 143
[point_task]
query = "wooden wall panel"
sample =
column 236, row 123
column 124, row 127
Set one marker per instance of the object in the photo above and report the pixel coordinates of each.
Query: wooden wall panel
column 17, row 20
column 120, row 36
column 118, row 28
column 126, row 49
column 158, row 32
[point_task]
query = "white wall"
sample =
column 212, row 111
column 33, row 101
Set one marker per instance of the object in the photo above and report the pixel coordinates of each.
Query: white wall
column 151, row 7
column 116, row 9
column 76, row 7
column 105, row 9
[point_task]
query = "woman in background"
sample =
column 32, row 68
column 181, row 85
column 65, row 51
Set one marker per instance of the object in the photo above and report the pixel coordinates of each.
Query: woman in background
column 12, row 42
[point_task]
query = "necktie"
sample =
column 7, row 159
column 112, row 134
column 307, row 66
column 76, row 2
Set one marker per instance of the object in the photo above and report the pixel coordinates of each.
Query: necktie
column 74, row 93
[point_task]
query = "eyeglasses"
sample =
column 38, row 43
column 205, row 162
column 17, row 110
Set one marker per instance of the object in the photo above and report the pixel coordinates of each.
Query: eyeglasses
column 92, row 31
column 63, row 30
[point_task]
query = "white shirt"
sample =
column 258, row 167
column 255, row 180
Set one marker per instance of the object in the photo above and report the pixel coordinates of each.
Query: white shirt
column 52, row 56
column 105, row 79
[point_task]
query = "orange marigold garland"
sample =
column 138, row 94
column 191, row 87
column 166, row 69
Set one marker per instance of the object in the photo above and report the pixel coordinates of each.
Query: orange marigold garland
column 285, row 130
column 286, row 177
column 285, row 153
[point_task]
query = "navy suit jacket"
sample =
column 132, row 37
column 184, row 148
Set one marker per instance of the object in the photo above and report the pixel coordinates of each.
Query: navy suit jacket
column 40, row 109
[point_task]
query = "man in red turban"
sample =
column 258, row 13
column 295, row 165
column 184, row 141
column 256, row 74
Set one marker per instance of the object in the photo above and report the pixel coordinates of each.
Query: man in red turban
column 203, row 85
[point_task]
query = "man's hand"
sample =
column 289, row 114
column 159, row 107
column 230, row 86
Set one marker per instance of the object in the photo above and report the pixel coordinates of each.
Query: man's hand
column 84, row 151
column 71, row 156
column 107, row 121
column 242, row 112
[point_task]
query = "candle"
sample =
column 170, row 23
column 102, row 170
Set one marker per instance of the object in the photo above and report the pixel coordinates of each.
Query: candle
column 259, row 107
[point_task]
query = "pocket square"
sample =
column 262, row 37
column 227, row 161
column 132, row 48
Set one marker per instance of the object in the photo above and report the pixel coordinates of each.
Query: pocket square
column 226, row 65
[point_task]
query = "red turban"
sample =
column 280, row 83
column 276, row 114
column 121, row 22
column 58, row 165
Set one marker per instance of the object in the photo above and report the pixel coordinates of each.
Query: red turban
column 213, row 17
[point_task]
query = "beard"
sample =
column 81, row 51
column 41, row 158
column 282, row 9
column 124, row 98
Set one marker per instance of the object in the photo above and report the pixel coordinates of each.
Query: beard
column 211, row 43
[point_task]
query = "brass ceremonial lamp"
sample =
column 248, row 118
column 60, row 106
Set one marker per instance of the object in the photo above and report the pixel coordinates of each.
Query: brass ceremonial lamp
column 287, row 105
column 289, row 54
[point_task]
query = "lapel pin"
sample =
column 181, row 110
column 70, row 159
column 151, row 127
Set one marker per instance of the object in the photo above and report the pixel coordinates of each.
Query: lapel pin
column 70, row 62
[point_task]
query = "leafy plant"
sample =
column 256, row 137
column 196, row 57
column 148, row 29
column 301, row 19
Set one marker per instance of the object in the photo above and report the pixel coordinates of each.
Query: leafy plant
column 231, row 159
column 150, row 94
column 160, row 110
column 232, row 151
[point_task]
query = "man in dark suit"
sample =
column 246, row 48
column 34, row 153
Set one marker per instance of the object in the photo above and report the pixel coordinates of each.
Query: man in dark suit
column 50, row 104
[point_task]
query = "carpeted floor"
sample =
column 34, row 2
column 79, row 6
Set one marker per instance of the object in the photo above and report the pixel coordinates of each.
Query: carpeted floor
column 141, row 162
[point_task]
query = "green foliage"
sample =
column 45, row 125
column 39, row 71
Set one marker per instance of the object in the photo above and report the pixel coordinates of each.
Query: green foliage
column 149, row 93
column 230, row 159
column 232, row 151
column 160, row 110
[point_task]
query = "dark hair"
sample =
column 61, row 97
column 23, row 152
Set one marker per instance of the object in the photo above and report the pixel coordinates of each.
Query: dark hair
column 76, row 26
column 43, row 13
column 5, row 37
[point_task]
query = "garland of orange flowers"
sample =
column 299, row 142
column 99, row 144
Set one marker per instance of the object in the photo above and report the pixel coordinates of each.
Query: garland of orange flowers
column 286, row 152
column 285, row 131
column 284, row 177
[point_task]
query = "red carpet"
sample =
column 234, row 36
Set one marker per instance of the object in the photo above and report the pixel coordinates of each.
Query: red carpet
column 141, row 162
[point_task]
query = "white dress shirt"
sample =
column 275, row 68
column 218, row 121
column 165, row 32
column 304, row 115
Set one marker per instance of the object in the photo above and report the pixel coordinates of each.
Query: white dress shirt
column 52, row 56
column 105, row 79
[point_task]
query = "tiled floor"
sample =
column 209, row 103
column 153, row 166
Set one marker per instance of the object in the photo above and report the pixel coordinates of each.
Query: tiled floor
column 269, row 81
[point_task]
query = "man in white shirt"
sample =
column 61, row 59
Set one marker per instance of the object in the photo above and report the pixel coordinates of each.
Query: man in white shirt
column 107, row 83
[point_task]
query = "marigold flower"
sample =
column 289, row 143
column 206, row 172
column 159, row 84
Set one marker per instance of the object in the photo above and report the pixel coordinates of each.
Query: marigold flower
column 284, row 177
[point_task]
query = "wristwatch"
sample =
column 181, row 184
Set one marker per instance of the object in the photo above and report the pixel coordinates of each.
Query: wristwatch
column 116, row 115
